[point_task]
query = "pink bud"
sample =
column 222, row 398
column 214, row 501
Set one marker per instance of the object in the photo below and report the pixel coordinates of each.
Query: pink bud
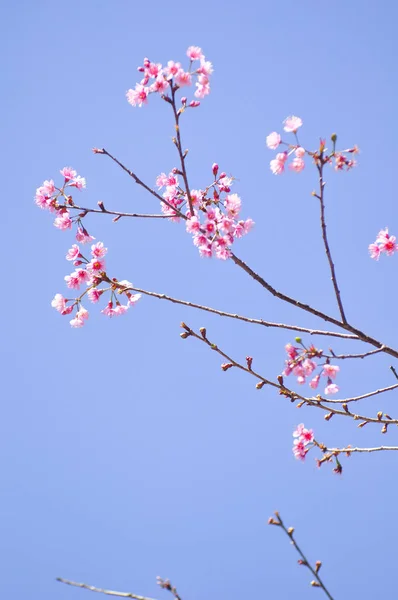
column 184, row 100
column 194, row 103
column 215, row 169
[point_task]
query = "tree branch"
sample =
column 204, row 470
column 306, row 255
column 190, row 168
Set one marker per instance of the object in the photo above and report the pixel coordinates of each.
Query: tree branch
column 101, row 591
column 317, row 582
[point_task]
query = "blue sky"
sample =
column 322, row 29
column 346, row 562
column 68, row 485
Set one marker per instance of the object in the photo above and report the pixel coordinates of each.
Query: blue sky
column 127, row 453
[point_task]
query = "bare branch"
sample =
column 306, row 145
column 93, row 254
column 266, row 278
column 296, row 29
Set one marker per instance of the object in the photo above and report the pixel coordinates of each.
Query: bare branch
column 101, row 591
column 222, row 313
column 104, row 211
column 317, row 582
column 320, row 166
column 348, row 450
column 363, row 355
column 356, row 398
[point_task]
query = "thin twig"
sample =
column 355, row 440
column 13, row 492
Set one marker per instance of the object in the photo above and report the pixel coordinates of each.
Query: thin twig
column 141, row 183
column 101, row 591
column 303, row 561
column 348, row 450
column 222, row 313
column 105, row 211
column 320, row 166
column 356, row 398
column 344, row 356
column 179, row 149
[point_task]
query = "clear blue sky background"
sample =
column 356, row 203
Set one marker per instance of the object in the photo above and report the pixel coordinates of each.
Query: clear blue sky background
column 126, row 452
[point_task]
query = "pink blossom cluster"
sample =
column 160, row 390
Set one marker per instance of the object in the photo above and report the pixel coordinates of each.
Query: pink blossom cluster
column 158, row 78
column 215, row 223
column 297, row 152
column 92, row 273
column 48, row 195
column 384, row 243
column 88, row 271
column 274, row 140
column 303, row 437
column 300, row 362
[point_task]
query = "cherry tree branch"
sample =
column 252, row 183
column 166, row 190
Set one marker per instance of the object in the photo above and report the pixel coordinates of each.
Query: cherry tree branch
column 317, row 402
column 240, row 263
column 320, row 197
column 102, row 591
column 222, row 313
column 103, row 211
column 368, row 395
column 344, row 356
column 178, row 145
column 317, row 581
column 363, row 337
column 349, row 449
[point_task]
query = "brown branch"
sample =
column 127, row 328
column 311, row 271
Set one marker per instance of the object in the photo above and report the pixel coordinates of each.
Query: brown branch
column 348, row 450
column 316, row 402
column 368, row 395
column 317, row 582
column 179, row 148
column 363, row 337
column 320, row 197
column 140, row 182
column 343, row 356
column 104, row 211
column 101, row 591
column 222, row 313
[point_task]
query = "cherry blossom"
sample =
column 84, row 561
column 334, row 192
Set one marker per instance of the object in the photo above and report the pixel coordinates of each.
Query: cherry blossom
column 273, row 140
column 291, row 124
column 384, row 243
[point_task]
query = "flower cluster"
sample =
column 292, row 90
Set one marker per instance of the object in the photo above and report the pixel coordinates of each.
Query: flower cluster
column 301, row 363
column 297, row 152
column 303, row 437
column 48, row 195
column 274, row 140
column 89, row 271
column 158, row 78
column 384, row 243
column 215, row 222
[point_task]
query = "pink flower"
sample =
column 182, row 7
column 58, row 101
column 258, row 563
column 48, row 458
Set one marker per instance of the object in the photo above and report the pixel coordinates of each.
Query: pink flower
column 183, row 78
column 233, row 205
column 78, row 182
column 68, row 173
column 96, row 265
column 83, row 236
column 292, row 124
column 273, row 140
column 94, row 294
column 386, row 242
column 73, row 253
column 160, row 85
column 120, row 310
column 206, row 68
column 299, row 449
column 332, row 388
column 314, row 382
column 108, row 310
column 193, row 225
column 297, row 164
column 194, row 53
column 172, row 69
column 81, row 275
column 63, row 221
column 98, row 250
column 291, row 351
column 82, row 313
column 277, row 167
column 309, row 366
column 59, row 303
column 76, row 322
column 299, row 152
column 48, row 187
column 330, row 371
column 299, row 431
column 374, row 251
column 73, row 281
column 138, row 96
column 133, row 298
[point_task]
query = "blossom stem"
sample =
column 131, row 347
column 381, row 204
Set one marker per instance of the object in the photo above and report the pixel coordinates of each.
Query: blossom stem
column 179, row 149
column 102, row 591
